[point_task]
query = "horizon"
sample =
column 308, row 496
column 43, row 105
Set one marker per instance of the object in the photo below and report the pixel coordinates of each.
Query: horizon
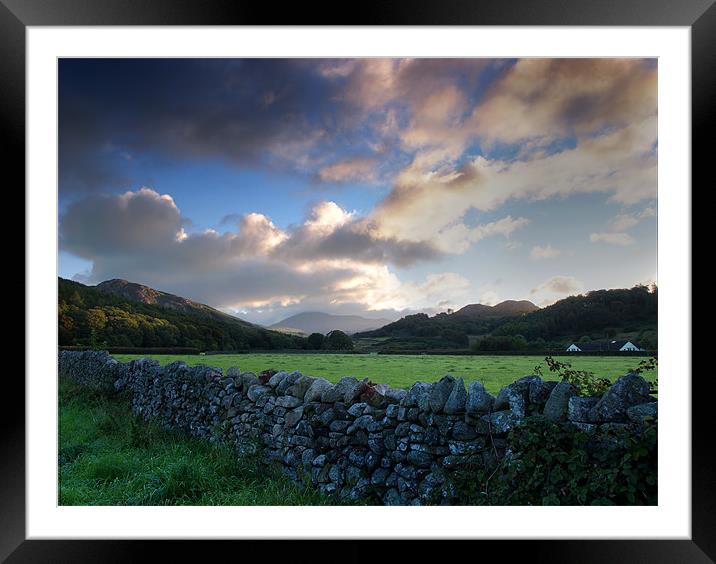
column 373, row 187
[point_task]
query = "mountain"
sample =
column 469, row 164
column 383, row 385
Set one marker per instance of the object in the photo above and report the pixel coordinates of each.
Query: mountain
column 146, row 295
column 508, row 308
column 318, row 322
column 118, row 313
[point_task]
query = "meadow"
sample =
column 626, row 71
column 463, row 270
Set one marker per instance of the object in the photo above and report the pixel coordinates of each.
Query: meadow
column 401, row 371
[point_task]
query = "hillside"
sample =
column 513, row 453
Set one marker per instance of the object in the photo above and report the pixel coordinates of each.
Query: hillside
column 117, row 313
column 520, row 324
column 318, row 322
column 452, row 329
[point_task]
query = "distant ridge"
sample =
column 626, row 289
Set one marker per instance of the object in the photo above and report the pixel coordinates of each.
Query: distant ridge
column 319, row 322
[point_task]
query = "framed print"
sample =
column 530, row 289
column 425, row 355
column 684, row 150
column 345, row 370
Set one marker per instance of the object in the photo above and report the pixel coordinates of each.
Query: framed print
column 392, row 278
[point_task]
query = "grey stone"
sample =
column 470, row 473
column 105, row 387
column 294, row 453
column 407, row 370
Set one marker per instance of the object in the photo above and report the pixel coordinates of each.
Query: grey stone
column 515, row 397
column 357, row 409
column 248, row 379
column 287, row 382
column 337, row 392
column 578, row 408
column 416, row 391
column 276, row 379
column 256, row 391
column 479, row 401
column 420, row 459
column 392, row 497
column 639, row 413
column 501, row 421
column 300, row 386
column 540, row 391
column 289, row 402
column 294, row 416
column 456, row 400
column 627, row 391
column 316, row 390
column 440, row 393
column 556, row 407
column 463, row 432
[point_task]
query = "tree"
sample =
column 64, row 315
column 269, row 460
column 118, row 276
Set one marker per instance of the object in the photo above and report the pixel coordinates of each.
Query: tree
column 338, row 340
column 315, row 341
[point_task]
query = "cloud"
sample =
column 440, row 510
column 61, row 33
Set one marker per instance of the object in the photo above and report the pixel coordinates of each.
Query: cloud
column 625, row 221
column 555, row 288
column 546, row 252
column 553, row 98
column 619, row 239
column 358, row 169
column 332, row 257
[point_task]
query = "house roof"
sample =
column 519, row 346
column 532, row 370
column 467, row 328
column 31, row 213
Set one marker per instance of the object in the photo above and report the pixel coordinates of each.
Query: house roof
column 604, row 345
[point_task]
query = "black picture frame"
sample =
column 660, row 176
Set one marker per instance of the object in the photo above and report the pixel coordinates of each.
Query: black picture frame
column 16, row 15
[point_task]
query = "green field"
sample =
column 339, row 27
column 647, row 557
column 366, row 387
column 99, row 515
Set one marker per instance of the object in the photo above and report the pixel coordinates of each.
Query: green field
column 401, row 371
column 109, row 457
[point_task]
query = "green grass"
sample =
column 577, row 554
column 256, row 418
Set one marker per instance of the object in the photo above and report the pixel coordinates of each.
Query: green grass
column 109, row 457
column 401, row 371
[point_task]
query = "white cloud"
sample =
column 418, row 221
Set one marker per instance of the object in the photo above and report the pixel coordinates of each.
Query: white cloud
column 555, row 288
column 619, row 239
column 546, row 252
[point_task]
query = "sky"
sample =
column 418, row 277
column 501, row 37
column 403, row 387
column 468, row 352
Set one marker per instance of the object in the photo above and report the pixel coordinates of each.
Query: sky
column 377, row 187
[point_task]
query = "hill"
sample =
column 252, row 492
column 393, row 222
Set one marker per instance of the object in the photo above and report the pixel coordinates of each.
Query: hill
column 518, row 325
column 318, row 322
column 117, row 313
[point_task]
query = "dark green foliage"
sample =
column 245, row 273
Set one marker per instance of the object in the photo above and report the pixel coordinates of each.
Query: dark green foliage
column 338, row 341
column 95, row 319
column 592, row 314
column 315, row 341
column 557, row 464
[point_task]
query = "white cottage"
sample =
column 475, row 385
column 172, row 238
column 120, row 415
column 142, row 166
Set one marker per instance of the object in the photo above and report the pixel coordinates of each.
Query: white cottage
column 616, row 346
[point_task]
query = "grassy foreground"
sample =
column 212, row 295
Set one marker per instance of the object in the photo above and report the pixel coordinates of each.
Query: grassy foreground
column 401, row 371
column 109, row 457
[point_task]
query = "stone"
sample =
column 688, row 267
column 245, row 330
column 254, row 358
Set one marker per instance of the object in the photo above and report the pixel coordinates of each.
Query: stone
column 479, row 401
column 556, row 407
column 417, row 390
column 395, row 396
column 380, row 475
column 316, row 390
column 455, row 402
column 289, row 402
column 360, row 423
column 320, row 460
column 392, row 497
column 256, row 391
column 513, row 396
column 300, row 386
column 287, row 382
column 248, row 379
column 338, row 392
column 463, row 432
column 501, row 421
column 578, row 408
column 276, row 379
column 627, row 391
column 420, row 459
column 294, row 416
column 440, row 393
column 339, row 426
column 357, row 409
column 639, row 413
column 540, row 391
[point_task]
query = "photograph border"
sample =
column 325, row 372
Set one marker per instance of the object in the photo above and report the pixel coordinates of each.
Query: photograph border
column 16, row 15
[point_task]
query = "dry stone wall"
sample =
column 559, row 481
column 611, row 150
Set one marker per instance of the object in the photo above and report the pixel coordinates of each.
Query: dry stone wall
column 355, row 439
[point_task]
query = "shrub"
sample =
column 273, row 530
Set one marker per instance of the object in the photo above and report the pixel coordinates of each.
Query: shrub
column 558, row 464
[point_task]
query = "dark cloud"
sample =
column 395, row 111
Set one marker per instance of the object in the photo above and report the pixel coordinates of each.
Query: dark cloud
column 241, row 110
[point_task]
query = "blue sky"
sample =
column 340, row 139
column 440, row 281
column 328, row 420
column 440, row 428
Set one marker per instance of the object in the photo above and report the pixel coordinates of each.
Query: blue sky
column 266, row 187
